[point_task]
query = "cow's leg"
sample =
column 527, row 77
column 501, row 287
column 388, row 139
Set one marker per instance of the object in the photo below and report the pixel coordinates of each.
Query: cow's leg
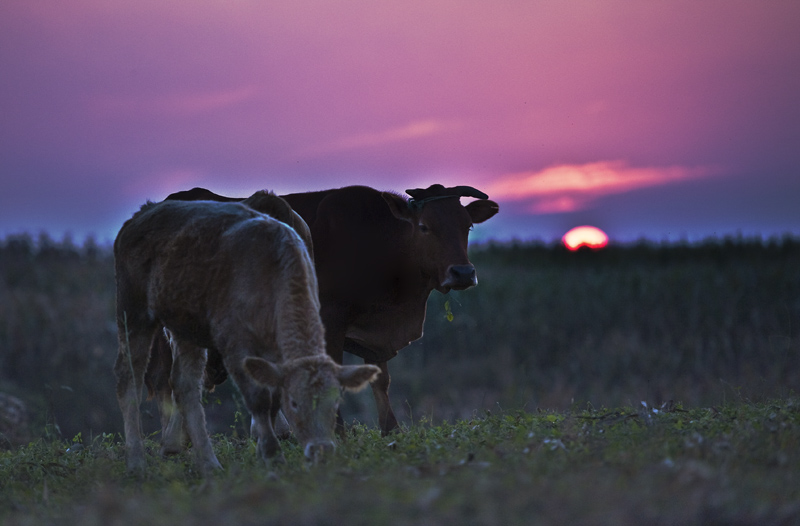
column 130, row 367
column 186, row 378
column 157, row 376
column 281, row 426
column 263, row 404
column 334, row 317
column 173, row 435
column 380, row 389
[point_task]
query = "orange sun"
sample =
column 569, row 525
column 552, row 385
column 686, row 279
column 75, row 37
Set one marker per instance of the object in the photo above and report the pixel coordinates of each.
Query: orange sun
column 585, row 236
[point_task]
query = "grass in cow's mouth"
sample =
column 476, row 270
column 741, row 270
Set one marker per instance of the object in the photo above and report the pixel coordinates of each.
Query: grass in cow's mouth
column 630, row 465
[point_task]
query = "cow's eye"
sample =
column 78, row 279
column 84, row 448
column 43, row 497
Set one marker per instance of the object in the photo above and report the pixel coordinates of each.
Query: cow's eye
column 424, row 228
column 293, row 405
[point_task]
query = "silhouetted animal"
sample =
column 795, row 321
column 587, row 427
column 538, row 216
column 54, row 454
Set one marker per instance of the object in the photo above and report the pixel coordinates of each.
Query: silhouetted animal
column 225, row 277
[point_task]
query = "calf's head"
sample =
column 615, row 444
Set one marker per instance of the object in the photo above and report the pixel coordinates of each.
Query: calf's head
column 312, row 388
column 440, row 231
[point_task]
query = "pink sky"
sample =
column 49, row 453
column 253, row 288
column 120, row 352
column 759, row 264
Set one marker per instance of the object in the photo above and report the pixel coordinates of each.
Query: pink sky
column 663, row 119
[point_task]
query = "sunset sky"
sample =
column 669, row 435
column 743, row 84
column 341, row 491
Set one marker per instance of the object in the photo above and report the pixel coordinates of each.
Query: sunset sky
column 668, row 120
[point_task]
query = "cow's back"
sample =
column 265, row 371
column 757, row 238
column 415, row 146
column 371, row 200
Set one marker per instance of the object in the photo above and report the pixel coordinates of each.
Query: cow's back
column 360, row 247
column 262, row 201
column 306, row 204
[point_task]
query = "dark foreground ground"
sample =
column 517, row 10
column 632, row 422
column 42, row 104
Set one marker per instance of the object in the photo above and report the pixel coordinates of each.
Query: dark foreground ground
column 732, row 464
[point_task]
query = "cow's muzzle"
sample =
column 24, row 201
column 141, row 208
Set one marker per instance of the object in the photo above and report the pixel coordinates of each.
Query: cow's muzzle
column 460, row 277
column 317, row 451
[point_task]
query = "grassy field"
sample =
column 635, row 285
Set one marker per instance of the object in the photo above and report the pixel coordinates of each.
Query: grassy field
column 523, row 402
column 735, row 464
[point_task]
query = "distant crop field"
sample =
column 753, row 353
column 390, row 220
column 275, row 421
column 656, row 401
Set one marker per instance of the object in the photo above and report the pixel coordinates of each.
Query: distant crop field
column 700, row 324
column 530, row 399
column 546, row 328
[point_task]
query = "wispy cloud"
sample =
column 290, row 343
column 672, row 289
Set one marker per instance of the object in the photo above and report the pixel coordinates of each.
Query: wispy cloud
column 412, row 130
column 198, row 103
column 570, row 187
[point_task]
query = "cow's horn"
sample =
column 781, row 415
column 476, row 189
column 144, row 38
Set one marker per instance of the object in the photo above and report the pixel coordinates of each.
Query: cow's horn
column 415, row 192
column 416, row 202
column 468, row 191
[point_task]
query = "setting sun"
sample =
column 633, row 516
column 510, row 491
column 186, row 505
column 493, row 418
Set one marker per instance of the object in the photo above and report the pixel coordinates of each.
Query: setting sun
column 585, row 236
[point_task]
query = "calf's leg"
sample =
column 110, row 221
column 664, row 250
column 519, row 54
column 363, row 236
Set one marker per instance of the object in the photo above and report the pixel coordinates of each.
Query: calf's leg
column 279, row 424
column 159, row 370
column 157, row 376
column 134, row 350
column 187, row 373
column 175, row 435
column 263, row 403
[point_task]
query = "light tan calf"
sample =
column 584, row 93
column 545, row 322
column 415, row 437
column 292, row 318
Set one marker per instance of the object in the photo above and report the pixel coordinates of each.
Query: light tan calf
column 223, row 276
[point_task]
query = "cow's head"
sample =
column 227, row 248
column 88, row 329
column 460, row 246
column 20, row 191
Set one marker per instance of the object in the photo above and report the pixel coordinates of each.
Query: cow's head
column 312, row 388
column 441, row 228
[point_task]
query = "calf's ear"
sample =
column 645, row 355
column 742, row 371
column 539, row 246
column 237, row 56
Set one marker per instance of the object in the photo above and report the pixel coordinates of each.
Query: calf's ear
column 263, row 371
column 356, row 377
column 482, row 210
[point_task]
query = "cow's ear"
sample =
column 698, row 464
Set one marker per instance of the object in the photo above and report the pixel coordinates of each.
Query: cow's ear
column 263, row 371
column 398, row 206
column 356, row 377
column 482, row 209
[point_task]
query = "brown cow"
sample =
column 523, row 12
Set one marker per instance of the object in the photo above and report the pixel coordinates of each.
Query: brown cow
column 223, row 276
column 378, row 257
